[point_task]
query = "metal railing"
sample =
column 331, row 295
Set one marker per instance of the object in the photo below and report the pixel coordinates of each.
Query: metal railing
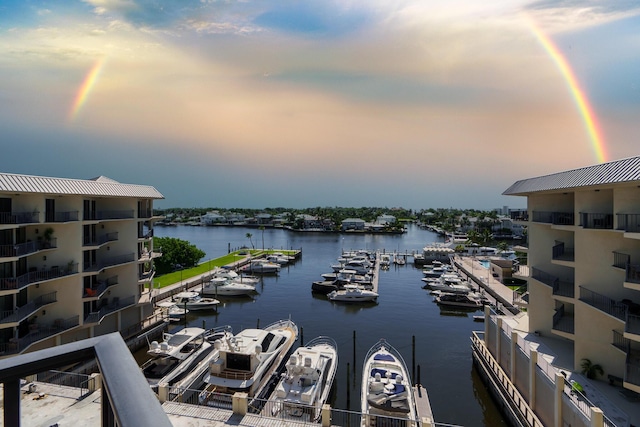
column 632, row 324
column 563, row 323
column 621, row 260
column 210, row 399
column 544, row 277
column 620, row 341
column 145, row 213
column 101, row 288
column 556, row 218
column 44, row 331
column 147, row 235
column 632, row 372
column 102, row 215
column 38, row 276
column 21, row 249
column 603, row 303
column 596, row 220
column 21, row 313
column 519, row 215
column 628, row 222
column 559, row 252
column 19, row 217
column 67, row 379
column 108, row 308
column 63, row 216
column 109, row 237
column 633, row 273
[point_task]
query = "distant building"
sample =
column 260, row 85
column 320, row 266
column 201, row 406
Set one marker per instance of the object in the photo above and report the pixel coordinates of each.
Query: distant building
column 76, row 259
column 352, row 224
column 385, row 219
column 213, row 217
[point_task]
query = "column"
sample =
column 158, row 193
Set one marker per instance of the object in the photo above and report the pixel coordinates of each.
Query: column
column 240, row 404
column 597, row 417
column 498, row 340
column 532, row 379
column 514, row 349
column 558, row 400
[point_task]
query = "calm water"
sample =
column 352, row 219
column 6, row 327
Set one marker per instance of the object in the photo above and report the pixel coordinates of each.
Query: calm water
column 404, row 310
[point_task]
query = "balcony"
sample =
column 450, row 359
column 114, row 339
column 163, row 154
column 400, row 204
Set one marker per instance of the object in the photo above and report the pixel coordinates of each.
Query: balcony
column 147, row 235
column 563, row 322
column 105, row 215
column 21, row 313
column 145, row 255
column 633, row 273
column 621, row 260
column 20, row 282
column 632, row 371
column 109, row 262
column 560, row 253
column 603, row 303
column 19, row 217
column 44, row 331
column 100, row 288
column 22, row 249
column 146, row 277
column 599, row 221
column 560, row 288
column 109, row 237
column 629, row 223
column 62, row 216
column 145, row 213
column 108, row 308
column 619, row 341
column 555, row 218
column 519, row 215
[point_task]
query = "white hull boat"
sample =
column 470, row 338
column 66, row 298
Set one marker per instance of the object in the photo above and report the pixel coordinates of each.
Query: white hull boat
column 232, row 275
column 246, row 361
column 459, row 300
column 386, row 387
column 305, row 385
column 193, row 301
column 352, row 293
column 219, row 286
column 261, row 266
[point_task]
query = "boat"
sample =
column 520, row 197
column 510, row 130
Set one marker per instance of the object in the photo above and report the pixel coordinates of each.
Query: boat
column 459, row 300
column 352, row 293
column 337, row 281
column 399, row 260
column 262, row 266
column 172, row 310
column 219, row 286
column 246, row 361
column 193, row 301
column 386, row 387
column 385, row 261
column 305, row 385
column 232, row 275
column 175, row 356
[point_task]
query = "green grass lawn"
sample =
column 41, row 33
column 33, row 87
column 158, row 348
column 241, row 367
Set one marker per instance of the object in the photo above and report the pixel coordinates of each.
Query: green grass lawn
column 204, row 267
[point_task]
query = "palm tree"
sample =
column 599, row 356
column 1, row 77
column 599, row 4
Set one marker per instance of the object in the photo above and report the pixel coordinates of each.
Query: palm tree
column 262, row 229
column 249, row 236
column 590, row 369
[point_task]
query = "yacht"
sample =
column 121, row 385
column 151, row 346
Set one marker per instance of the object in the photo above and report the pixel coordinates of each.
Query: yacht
column 193, row 301
column 262, row 266
column 305, row 385
column 219, row 286
column 385, row 261
column 246, row 361
column 172, row 310
column 232, row 275
column 459, row 300
column 353, row 293
column 386, row 387
column 175, row 356
column 337, row 281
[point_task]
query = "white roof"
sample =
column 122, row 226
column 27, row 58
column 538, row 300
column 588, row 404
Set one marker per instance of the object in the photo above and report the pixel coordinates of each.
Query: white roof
column 100, row 186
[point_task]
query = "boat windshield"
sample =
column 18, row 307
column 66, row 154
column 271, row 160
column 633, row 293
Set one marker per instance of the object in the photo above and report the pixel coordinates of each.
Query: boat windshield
column 178, row 340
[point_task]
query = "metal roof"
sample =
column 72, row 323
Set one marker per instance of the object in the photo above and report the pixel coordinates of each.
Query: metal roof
column 615, row 172
column 100, row 186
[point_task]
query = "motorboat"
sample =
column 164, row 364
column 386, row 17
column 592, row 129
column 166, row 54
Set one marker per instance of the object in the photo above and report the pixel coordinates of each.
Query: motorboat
column 386, row 387
column 175, row 356
column 219, row 286
column 459, row 300
column 277, row 259
column 172, row 310
column 246, row 361
column 435, row 271
column 399, row 260
column 234, row 276
column 305, row 384
column 339, row 280
column 385, row 261
column 193, row 301
column 262, row 266
column 353, row 293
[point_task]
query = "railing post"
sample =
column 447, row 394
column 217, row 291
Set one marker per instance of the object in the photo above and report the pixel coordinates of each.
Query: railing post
column 94, row 383
column 533, row 362
column 498, row 338
column 326, row 415
column 163, row 392
column 514, row 344
column 240, row 403
column 597, row 417
column 558, row 400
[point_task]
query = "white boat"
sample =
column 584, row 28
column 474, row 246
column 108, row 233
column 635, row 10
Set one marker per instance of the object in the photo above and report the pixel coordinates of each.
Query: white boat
column 435, row 271
column 246, row 361
column 385, row 261
column 386, row 387
column 399, row 260
column 175, row 356
column 262, row 266
column 219, row 286
column 172, row 310
column 305, row 385
column 459, row 300
column 232, row 275
column 193, row 301
column 352, row 293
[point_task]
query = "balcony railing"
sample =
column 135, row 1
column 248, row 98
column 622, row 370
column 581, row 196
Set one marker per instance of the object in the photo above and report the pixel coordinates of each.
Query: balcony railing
column 621, row 342
column 107, row 308
column 147, row 235
column 519, row 215
column 629, row 222
column 99, row 290
column 603, row 303
column 633, row 273
column 145, row 213
column 632, row 325
column 559, row 252
column 19, row 217
column 621, row 260
column 632, row 373
column 102, row 215
column 37, row 276
column 556, row 218
column 63, row 216
column 43, row 331
column 101, row 240
column 563, row 323
column 596, row 220
column 21, row 313
column 108, row 262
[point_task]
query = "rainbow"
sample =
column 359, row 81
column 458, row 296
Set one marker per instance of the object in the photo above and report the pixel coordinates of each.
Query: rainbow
column 84, row 89
column 579, row 97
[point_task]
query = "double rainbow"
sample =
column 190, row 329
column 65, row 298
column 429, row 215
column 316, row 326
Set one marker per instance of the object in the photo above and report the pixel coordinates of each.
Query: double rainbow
column 84, row 89
column 585, row 110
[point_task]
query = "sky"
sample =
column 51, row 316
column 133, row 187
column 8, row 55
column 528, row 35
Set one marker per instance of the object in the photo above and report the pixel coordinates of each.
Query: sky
column 303, row 103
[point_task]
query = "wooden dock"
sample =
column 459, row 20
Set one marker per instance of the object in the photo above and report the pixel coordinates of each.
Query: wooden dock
column 423, row 406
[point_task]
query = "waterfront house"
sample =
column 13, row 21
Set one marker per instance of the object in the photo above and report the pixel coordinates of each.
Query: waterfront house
column 385, row 219
column 76, row 259
column 356, row 224
column 212, row 218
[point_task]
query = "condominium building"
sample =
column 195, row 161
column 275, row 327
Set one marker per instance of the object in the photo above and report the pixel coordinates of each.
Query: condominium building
column 76, row 259
column 584, row 263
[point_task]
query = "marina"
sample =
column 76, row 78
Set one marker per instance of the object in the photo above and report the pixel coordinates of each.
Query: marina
column 434, row 343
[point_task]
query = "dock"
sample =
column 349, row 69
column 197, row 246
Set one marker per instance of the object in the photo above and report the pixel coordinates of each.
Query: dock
column 423, row 406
